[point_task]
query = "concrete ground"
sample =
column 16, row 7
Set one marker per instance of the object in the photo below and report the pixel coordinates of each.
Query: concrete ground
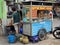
column 56, row 22
column 49, row 41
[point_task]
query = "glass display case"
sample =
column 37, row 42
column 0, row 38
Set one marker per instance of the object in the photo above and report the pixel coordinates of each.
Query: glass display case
column 35, row 12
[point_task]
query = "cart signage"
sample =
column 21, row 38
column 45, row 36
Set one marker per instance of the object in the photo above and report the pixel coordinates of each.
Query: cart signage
column 42, row 7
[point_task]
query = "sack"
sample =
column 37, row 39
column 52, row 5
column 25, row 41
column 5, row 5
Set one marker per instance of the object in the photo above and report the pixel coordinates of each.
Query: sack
column 24, row 39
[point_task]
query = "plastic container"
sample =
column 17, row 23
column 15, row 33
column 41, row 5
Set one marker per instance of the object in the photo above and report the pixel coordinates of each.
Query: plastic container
column 21, row 30
column 34, row 39
column 11, row 38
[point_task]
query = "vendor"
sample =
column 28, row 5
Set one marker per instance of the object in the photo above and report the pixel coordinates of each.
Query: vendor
column 16, row 19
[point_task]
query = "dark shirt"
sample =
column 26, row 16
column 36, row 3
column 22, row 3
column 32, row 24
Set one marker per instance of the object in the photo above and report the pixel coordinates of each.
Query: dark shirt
column 16, row 17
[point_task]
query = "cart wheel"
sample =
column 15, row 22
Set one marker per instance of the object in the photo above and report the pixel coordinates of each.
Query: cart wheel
column 56, row 34
column 42, row 34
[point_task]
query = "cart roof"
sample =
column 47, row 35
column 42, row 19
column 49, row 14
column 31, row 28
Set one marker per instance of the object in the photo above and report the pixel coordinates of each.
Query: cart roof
column 39, row 1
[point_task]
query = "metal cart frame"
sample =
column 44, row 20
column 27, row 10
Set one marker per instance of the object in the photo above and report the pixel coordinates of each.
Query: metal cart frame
column 27, row 26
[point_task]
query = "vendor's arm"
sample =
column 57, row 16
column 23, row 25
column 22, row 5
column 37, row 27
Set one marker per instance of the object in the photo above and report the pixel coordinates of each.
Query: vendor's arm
column 12, row 21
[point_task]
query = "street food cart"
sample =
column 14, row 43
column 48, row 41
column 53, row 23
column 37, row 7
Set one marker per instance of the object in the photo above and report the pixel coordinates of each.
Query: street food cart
column 37, row 19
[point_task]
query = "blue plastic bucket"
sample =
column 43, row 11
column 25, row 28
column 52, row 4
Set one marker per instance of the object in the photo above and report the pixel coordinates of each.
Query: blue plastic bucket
column 11, row 38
